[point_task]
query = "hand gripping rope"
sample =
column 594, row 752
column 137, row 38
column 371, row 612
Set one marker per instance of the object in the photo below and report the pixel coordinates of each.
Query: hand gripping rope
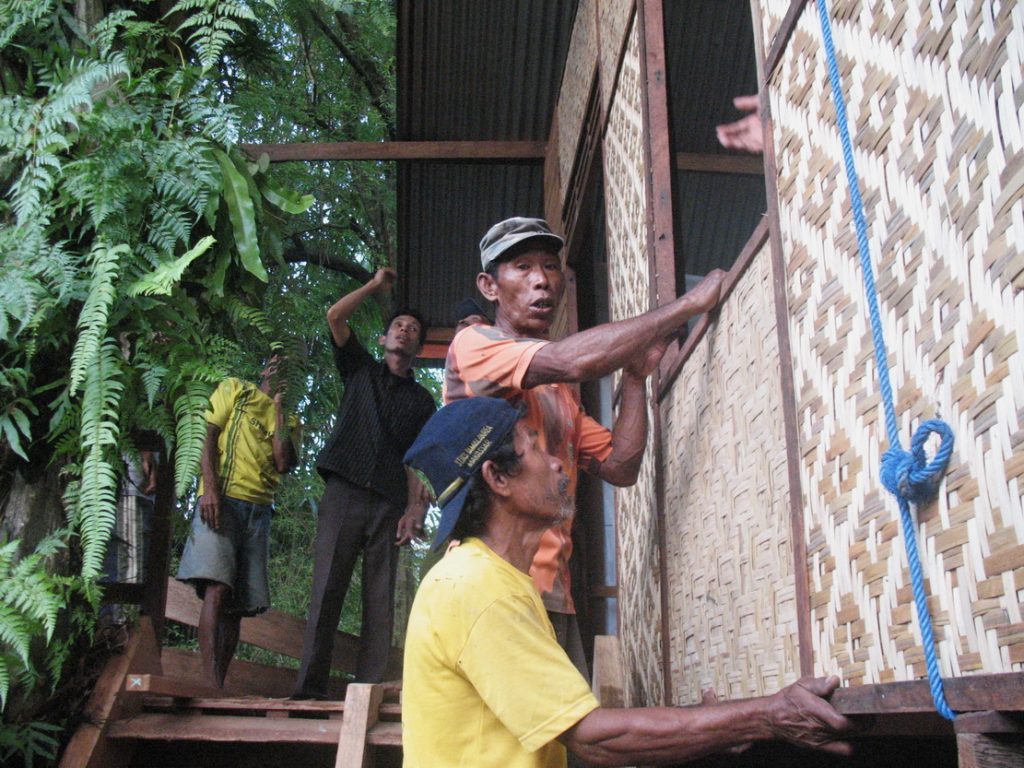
column 906, row 474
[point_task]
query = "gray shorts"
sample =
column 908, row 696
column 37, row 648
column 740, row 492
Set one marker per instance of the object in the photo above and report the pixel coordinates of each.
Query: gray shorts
column 235, row 554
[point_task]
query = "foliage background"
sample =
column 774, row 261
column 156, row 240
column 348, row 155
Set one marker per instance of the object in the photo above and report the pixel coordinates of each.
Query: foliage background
column 143, row 257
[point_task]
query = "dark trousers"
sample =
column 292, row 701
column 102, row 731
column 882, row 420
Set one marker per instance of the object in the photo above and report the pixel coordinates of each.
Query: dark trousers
column 351, row 520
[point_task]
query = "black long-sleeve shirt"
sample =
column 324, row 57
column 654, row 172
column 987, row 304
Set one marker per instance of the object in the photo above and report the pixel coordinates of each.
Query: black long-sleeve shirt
column 379, row 418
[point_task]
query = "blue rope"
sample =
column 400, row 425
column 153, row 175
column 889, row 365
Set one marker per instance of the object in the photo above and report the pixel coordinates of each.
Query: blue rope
column 906, row 474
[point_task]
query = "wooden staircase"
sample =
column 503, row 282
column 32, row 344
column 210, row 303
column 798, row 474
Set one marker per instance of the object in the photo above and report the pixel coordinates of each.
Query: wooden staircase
column 150, row 708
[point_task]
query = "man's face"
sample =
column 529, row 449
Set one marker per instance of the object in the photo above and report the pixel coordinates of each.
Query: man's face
column 403, row 336
column 541, row 488
column 527, row 290
column 273, row 372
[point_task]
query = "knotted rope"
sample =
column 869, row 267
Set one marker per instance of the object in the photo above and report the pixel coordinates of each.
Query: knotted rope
column 907, row 474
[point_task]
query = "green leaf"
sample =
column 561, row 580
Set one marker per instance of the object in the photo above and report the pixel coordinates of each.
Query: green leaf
column 242, row 213
column 286, row 199
column 161, row 280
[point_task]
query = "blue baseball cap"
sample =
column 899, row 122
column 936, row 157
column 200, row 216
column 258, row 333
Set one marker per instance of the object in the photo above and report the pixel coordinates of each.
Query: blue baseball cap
column 453, row 445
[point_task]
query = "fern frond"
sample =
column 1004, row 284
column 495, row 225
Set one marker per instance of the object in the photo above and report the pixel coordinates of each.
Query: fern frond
column 162, row 279
column 190, row 415
column 92, row 321
column 97, row 496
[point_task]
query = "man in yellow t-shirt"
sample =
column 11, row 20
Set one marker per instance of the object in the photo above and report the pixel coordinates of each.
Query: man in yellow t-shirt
column 485, row 682
column 249, row 445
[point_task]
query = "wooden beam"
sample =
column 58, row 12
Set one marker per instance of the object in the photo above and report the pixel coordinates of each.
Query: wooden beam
column 990, row 722
column 976, row 750
column 608, row 684
column 164, row 726
column 1004, row 692
column 531, row 151
column 362, row 711
column 749, row 165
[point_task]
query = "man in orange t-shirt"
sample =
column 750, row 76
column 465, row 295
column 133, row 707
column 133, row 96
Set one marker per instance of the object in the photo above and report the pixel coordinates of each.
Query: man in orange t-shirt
column 515, row 360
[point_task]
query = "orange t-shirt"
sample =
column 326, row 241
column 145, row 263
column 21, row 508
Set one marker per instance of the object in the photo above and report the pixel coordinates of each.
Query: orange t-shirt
column 485, row 361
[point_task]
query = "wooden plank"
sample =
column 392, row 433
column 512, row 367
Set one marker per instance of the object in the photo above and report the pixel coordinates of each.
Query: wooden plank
column 245, row 678
column 362, row 708
column 976, row 750
column 608, row 684
column 789, row 399
column 388, row 709
column 990, row 722
column 168, row 686
column 747, row 165
column 385, row 735
column 533, row 151
column 274, row 630
column 1004, row 692
column 89, row 747
column 161, row 726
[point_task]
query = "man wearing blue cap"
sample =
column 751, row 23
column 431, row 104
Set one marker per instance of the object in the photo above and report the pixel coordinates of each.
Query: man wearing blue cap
column 515, row 359
column 485, row 682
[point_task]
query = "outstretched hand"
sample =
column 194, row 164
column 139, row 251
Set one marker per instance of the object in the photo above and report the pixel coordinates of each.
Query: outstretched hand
column 746, row 134
column 800, row 714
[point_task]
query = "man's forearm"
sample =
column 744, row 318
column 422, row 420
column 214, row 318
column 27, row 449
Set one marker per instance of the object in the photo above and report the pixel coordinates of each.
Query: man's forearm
column 598, row 351
column 342, row 310
column 655, row 735
column 629, row 435
column 209, row 463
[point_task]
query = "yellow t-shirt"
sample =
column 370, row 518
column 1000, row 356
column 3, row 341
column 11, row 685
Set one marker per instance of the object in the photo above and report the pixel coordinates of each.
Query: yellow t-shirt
column 485, row 683
column 247, row 424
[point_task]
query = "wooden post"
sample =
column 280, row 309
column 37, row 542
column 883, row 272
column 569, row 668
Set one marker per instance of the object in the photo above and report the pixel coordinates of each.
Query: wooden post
column 90, row 747
column 982, row 750
column 154, row 603
column 362, row 708
column 608, row 683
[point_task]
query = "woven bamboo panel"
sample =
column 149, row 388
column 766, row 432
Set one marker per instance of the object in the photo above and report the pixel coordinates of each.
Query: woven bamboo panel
column 615, row 18
column 772, row 14
column 577, row 79
column 729, row 559
column 626, row 222
column 934, row 105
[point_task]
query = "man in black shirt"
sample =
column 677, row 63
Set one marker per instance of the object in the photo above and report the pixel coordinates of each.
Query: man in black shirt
column 367, row 488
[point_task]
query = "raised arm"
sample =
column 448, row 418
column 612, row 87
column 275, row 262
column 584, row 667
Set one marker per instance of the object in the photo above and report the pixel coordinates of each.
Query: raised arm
column 798, row 714
column 598, row 351
column 338, row 315
column 283, row 448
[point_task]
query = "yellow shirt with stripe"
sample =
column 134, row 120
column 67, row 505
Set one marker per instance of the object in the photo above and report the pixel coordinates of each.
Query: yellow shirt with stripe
column 485, row 681
column 247, row 420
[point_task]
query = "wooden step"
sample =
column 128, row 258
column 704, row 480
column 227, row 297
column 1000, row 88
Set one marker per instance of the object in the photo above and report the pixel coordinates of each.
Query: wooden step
column 255, row 705
column 160, row 726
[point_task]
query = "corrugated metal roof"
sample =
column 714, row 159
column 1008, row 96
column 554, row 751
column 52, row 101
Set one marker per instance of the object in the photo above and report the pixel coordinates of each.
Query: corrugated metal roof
column 489, row 70
column 470, row 70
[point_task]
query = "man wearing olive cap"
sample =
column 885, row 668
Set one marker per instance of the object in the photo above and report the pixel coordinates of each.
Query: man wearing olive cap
column 515, row 359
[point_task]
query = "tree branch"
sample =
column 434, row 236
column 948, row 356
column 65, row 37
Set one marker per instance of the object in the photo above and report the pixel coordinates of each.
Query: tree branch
column 365, row 67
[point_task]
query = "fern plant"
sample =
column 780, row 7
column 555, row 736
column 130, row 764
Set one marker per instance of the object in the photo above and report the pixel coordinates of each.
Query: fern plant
column 135, row 246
